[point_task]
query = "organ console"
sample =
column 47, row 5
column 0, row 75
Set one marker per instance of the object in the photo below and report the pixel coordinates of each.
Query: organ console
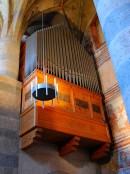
column 77, row 116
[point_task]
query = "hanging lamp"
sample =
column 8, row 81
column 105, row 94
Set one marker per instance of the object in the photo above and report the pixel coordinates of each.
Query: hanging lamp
column 44, row 91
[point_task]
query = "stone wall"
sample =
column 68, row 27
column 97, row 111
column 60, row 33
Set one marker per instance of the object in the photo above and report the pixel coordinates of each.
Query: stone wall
column 10, row 92
column 117, row 116
column 44, row 158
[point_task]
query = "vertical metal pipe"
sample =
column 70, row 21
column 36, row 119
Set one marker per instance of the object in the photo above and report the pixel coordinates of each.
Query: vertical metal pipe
column 63, row 52
column 46, row 84
column 73, row 59
column 87, row 71
column 37, row 49
column 94, row 79
column 90, row 73
column 85, row 68
column 43, row 51
column 56, row 51
column 87, row 74
column 69, row 54
column 78, row 61
column 66, row 53
column 81, row 64
column 40, row 43
column 55, row 87
column 57, row 90
column 64, row 56
column 53, row 49
column 47, row 50
column 36, row 53
column 42, row 48
column 55, row 41
column 59, row 51
column 50, row 49
column 36, row 85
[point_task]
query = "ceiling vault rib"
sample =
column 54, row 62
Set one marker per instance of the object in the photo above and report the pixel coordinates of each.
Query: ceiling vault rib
column 80, row 18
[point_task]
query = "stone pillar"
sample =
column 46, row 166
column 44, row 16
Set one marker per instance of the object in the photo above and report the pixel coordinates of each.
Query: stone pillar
column 114, row 17
column 120, row 161
column 9, row 58
column 10, row 98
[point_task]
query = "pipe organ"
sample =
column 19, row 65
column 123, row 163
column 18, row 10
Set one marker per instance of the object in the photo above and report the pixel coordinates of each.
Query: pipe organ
column 63, row 57
column 77, row 117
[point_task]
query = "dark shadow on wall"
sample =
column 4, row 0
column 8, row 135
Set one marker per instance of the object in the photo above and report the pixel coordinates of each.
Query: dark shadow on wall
column 58, row 172
column 45, row 152
column 44, row 159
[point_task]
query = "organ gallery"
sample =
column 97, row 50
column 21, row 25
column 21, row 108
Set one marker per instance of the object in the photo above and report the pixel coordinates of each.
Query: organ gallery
column 61, row 97
column 64, row 87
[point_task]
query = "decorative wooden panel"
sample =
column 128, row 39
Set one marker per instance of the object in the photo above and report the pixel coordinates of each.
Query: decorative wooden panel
column 97, row 108
column 82, row 103
column 27, row 120
column 71, row 124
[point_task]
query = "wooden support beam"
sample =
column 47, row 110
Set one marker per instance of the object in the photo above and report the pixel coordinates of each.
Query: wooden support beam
column 101, row 152
column 31, row 138
column 70, row 146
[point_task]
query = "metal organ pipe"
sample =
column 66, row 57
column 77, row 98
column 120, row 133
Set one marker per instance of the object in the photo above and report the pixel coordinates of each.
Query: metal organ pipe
column 66, row 61
column 59, row 51
column 63, row 56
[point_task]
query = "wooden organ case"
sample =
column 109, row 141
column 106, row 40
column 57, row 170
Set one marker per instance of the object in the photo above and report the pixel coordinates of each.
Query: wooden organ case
column 77, row 119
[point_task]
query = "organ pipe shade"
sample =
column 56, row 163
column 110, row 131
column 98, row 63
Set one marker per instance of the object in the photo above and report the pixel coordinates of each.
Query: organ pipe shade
column 64, row 57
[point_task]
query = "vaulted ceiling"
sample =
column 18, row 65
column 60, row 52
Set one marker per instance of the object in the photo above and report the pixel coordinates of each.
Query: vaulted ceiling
column 76, row 12
column 17, row 15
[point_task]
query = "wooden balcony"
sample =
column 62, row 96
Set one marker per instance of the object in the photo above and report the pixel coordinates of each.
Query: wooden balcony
column 79, row 113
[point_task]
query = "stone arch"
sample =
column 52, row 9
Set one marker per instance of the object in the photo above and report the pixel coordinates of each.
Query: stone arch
column 35, row 11
column 18, row 17
column 25, row 12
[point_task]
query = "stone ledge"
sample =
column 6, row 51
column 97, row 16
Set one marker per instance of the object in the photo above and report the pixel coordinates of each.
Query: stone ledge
column 10, row 81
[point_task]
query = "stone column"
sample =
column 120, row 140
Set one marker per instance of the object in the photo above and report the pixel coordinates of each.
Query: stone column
column 9, row 57
column 114, row 17
column 10, row 98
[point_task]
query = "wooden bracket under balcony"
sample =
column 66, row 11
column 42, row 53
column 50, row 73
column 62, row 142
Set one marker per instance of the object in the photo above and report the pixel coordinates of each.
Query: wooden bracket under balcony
column 31, row 138
column 101, row 152
column 70, row 146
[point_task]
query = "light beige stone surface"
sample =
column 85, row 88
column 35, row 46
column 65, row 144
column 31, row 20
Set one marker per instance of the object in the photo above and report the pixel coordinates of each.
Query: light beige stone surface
column 44, row 159
column 9, row 58
column 107, row 75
